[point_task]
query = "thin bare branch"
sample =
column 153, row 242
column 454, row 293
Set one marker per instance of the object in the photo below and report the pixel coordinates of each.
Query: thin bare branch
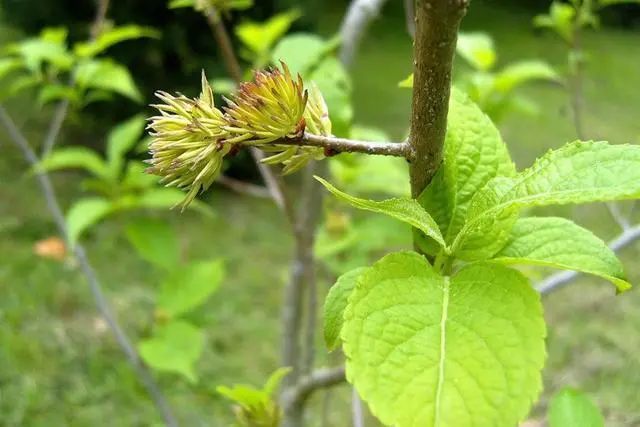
column 558, row 280
column 358, row 17
column 335, row 145
column 96, row 289
column 243, row 187
column 319, row 379
column 410, row 17
column 357, row 411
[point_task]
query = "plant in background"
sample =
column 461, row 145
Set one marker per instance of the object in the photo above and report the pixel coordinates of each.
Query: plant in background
column 452, row 325
column 494, row 89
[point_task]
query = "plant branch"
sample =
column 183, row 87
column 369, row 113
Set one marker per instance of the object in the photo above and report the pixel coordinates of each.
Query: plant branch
column 243, row 187
column 357, row 411
column 354, row 24
column 96, row 289
column 437, row 24
column 410, row 17
column 334, row 145
column 319, row 379
column 558, row 280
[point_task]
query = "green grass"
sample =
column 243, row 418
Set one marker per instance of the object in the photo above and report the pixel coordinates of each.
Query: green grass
column 60, row 366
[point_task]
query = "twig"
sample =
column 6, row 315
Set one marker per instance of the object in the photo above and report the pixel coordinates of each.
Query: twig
column 319, row 379
column 357, row 411
column 244, row 187
column 96, row 289
column 410, row 17
column 618, row 217
column 437, row 24
column 358, row 17
column 342, row 145
column 558, row 280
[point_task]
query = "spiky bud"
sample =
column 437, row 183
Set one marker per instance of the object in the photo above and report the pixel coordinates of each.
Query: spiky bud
column 188, row 141
column 267, row 109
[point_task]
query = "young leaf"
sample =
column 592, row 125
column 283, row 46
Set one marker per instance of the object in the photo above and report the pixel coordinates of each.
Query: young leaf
column 477, row 49
column 190, row 286
column 560, row 243
column 571, row 408
column 335, row 304
column 579, row 172
column 522, row 72
column 155, row 241
column 103, row 74
column 403, row 209
column 260, row 37
column 74, row 158
column 174, row 347
column 427, row 350
column 274, row 380
column 301, row 51
column 120, row 140
column 474, row 153
column 84, row 214
column 113, row 36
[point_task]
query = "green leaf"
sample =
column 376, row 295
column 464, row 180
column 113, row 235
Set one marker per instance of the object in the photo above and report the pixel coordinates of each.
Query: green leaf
column 135, row 178
column 474, row 153
column 523, row 72
column 477, row 49
column 55, row 92
column 111, row 37
column 335, row 304
column 155, row 241
column 120, row 140
column 104, row 74
column 18, row 84
column 560, row 19
column 426, row 350
column 300, row 51
column 406, row 83
column 74, row 158
column 223, row 86
column 560, row 243
column 605, row 3
column 190, row 286
column 8, row 65
column 174, row 347
column 85, row 213
column 274, row 380
column 404, row 209
column 260, row 37
column 48, row 48
column 335, row 85
column 571, row 408
column 579, row 172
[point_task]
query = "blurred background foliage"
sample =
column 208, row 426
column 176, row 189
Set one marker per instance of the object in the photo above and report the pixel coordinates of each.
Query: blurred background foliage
column 58, row 364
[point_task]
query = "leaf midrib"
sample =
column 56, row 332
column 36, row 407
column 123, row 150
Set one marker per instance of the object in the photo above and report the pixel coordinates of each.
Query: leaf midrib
column 443, row 348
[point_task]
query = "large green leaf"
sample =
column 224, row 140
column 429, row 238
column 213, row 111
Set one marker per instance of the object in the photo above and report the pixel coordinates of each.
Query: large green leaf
column 155, row 241
column 335, row 304
column 120, row 140
column 104, row 74
column 571, row 408
column 560, row 243
column 113, row 36
column 174, row 347
column 579, row 172
column 404, row 209
column 190, row 286
column 474, row 153
column 426, row 350
column 85, row 213
column 74, row 158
